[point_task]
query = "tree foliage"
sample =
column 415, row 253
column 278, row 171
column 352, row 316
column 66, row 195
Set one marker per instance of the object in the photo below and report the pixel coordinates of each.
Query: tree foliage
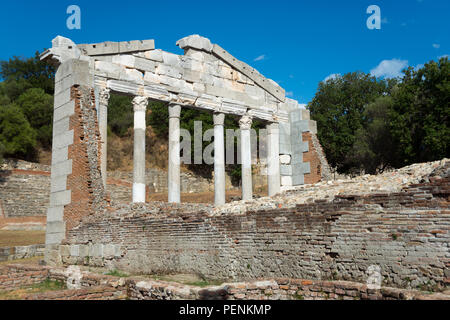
column 420, row 115
column 338, row 107
column 37, row 106
column 16, row 134
column 368, row 123
column 22, row 74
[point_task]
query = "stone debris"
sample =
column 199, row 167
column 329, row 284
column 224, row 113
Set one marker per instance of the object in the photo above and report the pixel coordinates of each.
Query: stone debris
column 387, row 182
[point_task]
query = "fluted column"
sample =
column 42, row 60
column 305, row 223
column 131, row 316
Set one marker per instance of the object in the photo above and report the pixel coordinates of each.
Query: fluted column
column 273, row 158
column 140, row 108
column 174, row 183
column 219, row 159
column 104, row 95
column 246, row 157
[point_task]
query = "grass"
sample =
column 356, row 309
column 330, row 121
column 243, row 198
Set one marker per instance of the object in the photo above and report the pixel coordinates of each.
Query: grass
column 204, row 283
column 117, row 273
column 49, row 285
column 298, row 296
column 9, row 238
column 44, row 286
column 27, row 261
column 187, row 279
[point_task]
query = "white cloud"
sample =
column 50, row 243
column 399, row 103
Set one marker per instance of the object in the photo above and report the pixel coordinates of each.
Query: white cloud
column 436, row 45
column 260, row 58
column 302, row 105
column 289, row 94
column 444, row 56
column 332, row 76
column 389, row 68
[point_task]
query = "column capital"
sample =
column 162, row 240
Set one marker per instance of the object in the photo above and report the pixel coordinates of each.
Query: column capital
column 219, row 118
column 103, row 96
column 245, row 123
column 273, row 127
column 140, row 103
column 174, row 110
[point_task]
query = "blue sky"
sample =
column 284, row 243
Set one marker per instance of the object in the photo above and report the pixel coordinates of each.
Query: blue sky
column 296, row 43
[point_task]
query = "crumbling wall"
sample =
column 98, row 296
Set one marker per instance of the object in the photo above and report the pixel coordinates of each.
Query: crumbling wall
column 87, row 192
column 405, row 234
column 319, row 168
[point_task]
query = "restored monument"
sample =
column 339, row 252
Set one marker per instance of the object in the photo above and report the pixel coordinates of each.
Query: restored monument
column 206, row 77
column 395, row 237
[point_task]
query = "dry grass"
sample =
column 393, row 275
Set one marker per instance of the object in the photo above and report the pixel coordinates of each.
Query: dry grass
column 203, row 197
column 21, row 238
column 28, row 261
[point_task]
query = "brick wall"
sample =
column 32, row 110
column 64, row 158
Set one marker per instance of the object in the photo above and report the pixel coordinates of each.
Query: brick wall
column 312, row 157
column 85, row 183
column 406, row 234
column 104, row 287
column 15, row 276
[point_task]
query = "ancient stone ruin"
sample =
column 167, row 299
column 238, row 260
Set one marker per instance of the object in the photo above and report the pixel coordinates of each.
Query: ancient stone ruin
column 206, row 77
column 370, row 234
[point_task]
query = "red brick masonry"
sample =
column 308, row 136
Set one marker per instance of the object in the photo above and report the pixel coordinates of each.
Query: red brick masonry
column 102, row 287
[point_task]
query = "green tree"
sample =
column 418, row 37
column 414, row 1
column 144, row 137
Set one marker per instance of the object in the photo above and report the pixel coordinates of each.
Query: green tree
column 421, row 112
column 25, row 73
column 2, row 151
column 38, row 108
column 4, row 99
column 374, row 147
column 120, row 114
column 16, row 134
column 338, row 107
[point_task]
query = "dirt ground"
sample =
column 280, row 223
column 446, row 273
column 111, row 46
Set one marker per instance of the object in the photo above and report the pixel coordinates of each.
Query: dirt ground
column 21, row 238
column 205, row 197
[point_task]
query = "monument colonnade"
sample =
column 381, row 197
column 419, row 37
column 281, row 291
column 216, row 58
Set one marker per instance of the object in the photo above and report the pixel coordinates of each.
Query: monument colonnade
column 140, row 104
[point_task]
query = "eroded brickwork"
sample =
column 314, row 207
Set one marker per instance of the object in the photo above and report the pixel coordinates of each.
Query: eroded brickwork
column 85, row 183
column 91, row 286
column 312, row 157
column 406, row 234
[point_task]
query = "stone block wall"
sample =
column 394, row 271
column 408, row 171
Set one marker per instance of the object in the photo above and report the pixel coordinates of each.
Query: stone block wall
column 21, row 252
column 24, row 190
column 84, row 285
column 406, row 234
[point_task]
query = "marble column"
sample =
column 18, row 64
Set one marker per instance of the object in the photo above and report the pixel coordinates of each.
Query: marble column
column 103, row 101
column 273, row 158
column 219, row 159
column 140, row 108
column 174, row 183
column 245, row 125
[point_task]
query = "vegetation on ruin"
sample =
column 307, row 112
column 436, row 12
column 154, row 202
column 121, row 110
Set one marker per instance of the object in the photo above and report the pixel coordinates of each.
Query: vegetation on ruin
column 44, row 286
column 364, row 123
column 117, row 273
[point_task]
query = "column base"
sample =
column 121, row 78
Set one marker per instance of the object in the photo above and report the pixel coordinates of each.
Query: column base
column 138, row 193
